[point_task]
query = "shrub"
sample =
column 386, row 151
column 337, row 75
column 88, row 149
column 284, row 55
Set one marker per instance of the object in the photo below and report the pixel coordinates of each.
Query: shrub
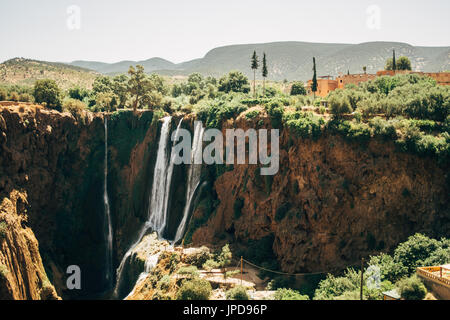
column 225, row 256
column 189, row 271
column 210, row 264
column 414, row 252
column 199, row 257
column 333, row 286
column 3, row 271
column 289, row 294
column 197, row 289
column 298, row 88
column 235, row 81
column 164, row 283
column 339, row 104
column 3, row 94
column 3, row 230
column 237, row 293
column 252, row 114
column 411, row 288
column 75, row 107
column 307, row 125
column 390, row 270
column 47, row 91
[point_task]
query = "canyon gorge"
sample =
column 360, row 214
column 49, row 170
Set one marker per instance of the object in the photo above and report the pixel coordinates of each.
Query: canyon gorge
column 86, row 190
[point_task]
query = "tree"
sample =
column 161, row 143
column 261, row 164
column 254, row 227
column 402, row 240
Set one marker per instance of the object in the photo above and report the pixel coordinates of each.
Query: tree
column 235, row 81
column 403, row 63
column 314, row 80
column 255, row 65
column 120, row 88
column 197, row 289
column 138, row 84
column 78, row 93
column 47, row 91
column 412, row 288
column 75, row 106
column 264, row 74
column 394, row 64
column 365, row 69
column 106, row 101
column 298, row 88
column 102, row 84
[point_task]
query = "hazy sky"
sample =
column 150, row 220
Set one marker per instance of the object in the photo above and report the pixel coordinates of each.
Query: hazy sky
column 180, row 30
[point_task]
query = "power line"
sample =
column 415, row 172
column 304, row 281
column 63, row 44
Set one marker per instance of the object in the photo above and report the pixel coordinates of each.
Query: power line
column 283, row 273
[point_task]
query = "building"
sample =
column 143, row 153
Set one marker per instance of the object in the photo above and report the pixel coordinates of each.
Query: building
column 437, row 280
column 326, row 84
column 355, row 79
column 442, row 78
column 391, row 295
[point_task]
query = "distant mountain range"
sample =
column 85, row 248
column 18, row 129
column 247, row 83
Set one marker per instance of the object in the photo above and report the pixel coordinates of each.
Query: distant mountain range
column 291, row 60
column 286, row 60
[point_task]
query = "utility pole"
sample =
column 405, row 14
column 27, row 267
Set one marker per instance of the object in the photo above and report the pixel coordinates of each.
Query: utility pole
column 362, row 278
column 242, row 268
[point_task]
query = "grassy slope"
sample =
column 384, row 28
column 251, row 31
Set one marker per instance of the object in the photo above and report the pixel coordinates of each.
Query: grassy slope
column 26, row 72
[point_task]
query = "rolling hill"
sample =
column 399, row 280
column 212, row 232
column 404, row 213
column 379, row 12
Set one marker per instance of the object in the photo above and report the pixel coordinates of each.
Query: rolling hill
column 291, row 60
column 25, row 72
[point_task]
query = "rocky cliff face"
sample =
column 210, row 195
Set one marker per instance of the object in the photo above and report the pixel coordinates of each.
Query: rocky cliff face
column 22, row 274
column 332, row 202
column 57, row 160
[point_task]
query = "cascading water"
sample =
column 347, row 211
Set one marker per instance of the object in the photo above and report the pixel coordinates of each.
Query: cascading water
column 159, row 201
column 107, row 217
column 159, row 197
column 193, row 180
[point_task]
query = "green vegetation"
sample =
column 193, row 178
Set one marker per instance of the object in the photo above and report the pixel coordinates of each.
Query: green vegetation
column 314, row 79
column 396, row 271
column 210, row 264
column 47, row 92
column 189, row 271
column 237, row 293
column 289, row 294
column 254, row 66
column 235, row 81
column 3, row 271
column 412, row 288
column 298, row 88
column 265, row 73
column 197, row 289
column 403, row 63
column 199, row 258
column 3, row 230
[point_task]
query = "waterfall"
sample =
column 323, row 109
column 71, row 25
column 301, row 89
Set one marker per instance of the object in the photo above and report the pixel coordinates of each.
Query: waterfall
column 193, row 179
column 159, row 197
column 162, row 180
column 150, row 264
column 107, row 218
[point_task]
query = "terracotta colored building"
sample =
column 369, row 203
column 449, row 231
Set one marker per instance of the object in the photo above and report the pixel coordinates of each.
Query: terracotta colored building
column 442, row 78
column 326, row 84
column 355, row 79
